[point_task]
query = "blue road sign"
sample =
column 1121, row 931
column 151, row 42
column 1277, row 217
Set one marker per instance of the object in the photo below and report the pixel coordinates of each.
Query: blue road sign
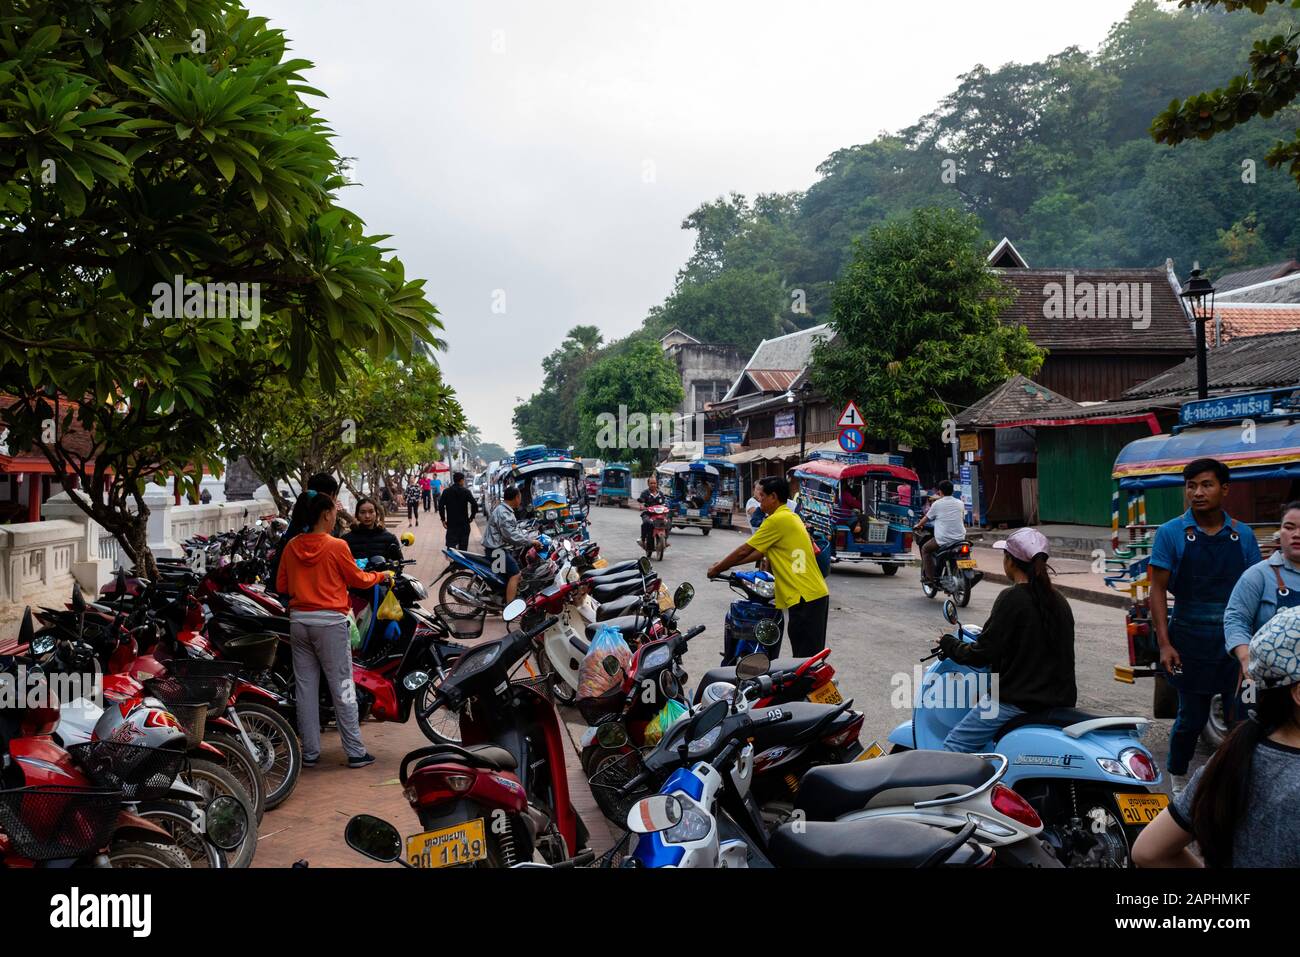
column 730, row 438
column 852, row 440
column 715, row 450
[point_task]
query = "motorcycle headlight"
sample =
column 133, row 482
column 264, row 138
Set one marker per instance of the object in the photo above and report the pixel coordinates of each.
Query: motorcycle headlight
column 693, row 826
column 477, row 660
column 656, row 658
column 764, row 588
column 418, row 588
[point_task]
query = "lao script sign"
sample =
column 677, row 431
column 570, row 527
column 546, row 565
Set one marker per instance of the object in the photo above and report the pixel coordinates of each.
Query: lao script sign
column 1226, row 407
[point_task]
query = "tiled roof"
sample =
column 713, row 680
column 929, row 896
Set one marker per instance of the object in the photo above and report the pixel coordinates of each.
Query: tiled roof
column 1048, row 302
column 1258, row 319
column 1255, row 275
column 1247, row 362
column 1016, row 399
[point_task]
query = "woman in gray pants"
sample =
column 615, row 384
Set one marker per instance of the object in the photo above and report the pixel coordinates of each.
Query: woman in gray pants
column 316, row 572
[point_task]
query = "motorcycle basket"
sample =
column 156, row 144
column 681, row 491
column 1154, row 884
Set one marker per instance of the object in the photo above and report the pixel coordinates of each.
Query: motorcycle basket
column 141, row 773
column 256, row 652
column 191, row 714
column 594, row 710
column 203, row 680
column 52, row 823
column 461, row 626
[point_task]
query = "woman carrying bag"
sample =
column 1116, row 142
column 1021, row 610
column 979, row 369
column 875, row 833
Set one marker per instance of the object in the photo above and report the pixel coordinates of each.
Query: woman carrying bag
column 316, row 572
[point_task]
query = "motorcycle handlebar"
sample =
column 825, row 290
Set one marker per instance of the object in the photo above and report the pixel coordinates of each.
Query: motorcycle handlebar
column 537, row 629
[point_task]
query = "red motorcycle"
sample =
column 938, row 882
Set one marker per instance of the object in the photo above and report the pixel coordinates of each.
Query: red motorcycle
column 655, row 538
column 500, row 797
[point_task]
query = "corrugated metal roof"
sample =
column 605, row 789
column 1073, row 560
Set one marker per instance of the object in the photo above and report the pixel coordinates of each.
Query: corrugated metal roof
column 790, row 353
column 1247, row 362
column 1255, row 275
column 772, row 380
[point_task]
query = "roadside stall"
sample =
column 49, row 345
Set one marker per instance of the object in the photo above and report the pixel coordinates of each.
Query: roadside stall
column 864, row 505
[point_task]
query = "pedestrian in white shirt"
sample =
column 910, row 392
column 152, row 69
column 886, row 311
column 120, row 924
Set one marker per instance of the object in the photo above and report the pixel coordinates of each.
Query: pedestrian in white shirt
column 948, row 516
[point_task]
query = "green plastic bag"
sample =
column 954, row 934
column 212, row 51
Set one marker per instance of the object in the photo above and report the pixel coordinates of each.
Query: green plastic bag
column 665, row 719
column 354, row 633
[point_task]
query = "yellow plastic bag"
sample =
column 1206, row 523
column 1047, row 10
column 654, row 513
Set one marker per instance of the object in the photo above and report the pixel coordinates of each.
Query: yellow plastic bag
column 390, row 609
column 672, row 713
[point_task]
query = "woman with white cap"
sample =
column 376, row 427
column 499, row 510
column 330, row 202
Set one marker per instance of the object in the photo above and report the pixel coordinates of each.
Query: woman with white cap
column 1027, row 642
column 1240, row 808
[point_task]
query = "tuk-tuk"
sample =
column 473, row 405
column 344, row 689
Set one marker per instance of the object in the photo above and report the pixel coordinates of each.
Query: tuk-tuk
column 865, row 506
column 1267, row 455
column 615, row 485
column 725, row 494
column 691, row 489
column 552, row 488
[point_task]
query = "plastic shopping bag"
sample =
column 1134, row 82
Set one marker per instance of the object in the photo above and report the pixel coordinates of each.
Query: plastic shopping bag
column 390, row 609
column 354, row 633
column 594, row 676
column 665, row 719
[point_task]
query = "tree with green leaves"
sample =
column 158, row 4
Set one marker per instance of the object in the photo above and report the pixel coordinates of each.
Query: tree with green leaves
column 637, row 385
column 1272, row 83
column 170, row 242
column 915, row 317
column 550, row 415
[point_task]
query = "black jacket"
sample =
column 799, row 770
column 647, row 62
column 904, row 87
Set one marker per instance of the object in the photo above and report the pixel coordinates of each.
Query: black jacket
column 457, row 506
column 366, row 542
column 1032, row 657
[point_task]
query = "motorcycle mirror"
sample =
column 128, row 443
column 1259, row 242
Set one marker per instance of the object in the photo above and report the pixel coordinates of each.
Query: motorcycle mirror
column 684, row 595
column 767, row 634
column 950, row 611
column 227, row 822
column 751, row 666
column 374, row 837
column 707, row 720
column 408, row 539
column 611, row 665
column 611, row 734
column 656, row 813
column 78, row 600
column 645, row 566
column 669, row 685
column 514, row 610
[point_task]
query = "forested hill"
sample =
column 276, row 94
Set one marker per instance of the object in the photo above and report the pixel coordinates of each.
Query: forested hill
column 1055, row 154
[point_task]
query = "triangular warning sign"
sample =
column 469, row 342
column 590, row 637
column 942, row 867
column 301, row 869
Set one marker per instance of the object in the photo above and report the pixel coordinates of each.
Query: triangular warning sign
column 851, row 418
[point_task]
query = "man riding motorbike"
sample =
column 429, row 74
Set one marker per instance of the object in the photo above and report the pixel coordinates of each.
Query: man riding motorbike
column 651, row 496
column 503, row 537
column 948, row 515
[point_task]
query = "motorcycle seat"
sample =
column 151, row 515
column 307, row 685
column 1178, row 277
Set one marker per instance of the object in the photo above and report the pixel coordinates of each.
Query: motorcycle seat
column 618, row 607
column 830, row 791
column 630, row 565
column 476, row 755
column 598, row 580
column 729, row 674
column 945, row 549
column 1053, row 718
column 882, row 842
column 604, row 593
column 805, row 717
column 629, row 626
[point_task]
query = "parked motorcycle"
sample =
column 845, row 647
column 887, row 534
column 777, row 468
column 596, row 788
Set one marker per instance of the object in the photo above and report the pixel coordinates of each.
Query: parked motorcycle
column 757, row 604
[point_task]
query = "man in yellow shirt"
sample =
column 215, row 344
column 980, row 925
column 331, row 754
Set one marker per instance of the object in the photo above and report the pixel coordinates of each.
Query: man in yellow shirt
column 800, row 588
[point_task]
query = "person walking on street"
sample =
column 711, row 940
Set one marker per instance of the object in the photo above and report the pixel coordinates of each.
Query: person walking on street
column 1264, row 589
column 316, row 573
column 369, row 537
column 1198, row 557
column 753, row 509
column 800, row 588
column 1240, row 808
column 1027, row 642
column 948, row 516
column 413, row 504
column 503, row 537
column 426, row 491
column 435, row 487
column 457, row 508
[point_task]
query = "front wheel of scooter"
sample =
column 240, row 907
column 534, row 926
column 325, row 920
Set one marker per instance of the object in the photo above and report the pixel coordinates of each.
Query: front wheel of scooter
column 556, row 685
column 441, row 725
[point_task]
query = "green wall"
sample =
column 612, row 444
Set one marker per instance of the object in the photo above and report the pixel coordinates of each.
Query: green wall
column 1074, row 483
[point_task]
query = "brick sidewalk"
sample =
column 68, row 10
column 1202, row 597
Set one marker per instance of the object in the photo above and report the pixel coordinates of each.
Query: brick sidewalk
column 310, row 824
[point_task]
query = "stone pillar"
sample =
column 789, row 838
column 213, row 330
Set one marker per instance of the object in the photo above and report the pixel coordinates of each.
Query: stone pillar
column 161, row 502
column 90, row 571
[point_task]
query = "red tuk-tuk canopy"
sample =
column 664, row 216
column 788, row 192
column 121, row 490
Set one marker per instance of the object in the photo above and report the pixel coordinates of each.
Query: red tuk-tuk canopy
column 839, row 471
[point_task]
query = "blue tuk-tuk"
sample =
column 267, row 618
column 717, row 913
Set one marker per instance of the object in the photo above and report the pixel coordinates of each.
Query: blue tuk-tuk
column 725, row 494
column 552, row 488
column 691, row 489
column 864, row 506
column 615, row 485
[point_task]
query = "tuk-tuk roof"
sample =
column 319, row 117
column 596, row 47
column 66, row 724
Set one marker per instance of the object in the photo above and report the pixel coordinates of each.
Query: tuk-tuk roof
column 838, row 471
column 718, row 464
column 572, row 466
column 618, row 467
column 677, row 468
column 1157, row 461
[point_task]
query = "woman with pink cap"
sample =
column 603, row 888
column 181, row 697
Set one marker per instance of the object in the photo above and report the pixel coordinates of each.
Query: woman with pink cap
column 1027, row 642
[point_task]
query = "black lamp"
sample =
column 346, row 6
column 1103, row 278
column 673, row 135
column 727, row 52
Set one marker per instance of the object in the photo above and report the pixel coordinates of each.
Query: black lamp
column 1199, row 294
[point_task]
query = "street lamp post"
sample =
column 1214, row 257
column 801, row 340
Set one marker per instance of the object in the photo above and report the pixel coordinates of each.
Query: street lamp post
column 805, row 391
column 1200, row 299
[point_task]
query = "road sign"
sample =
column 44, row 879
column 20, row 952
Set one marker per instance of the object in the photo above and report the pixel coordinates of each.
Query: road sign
column 851, row 418
column 852, row 440
column 715, row 450
column 730, row 438
column 1226, row 407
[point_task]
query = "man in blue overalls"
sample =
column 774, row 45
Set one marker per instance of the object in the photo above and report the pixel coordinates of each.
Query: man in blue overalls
column 1197, row 557
column 1265, row 589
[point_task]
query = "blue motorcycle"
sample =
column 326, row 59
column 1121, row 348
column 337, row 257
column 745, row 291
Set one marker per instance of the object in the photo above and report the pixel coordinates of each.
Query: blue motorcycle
column 757, row 605
column 471, row 584
column 1088, row 776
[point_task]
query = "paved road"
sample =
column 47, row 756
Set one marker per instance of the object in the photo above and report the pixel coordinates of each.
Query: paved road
column 878, row 627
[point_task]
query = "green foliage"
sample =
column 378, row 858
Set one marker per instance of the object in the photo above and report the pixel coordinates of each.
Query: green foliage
column 550, row 415
column 916, row 327
column 639, row 378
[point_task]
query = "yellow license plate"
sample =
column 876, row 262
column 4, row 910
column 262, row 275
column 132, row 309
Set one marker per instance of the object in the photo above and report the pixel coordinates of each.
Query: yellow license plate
column 826, row 694
column 966, row 563
column 874, row 751
column 448, row 846
column 1140, row 808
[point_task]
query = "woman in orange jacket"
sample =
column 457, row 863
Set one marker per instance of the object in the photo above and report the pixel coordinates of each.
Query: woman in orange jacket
column 316, row 572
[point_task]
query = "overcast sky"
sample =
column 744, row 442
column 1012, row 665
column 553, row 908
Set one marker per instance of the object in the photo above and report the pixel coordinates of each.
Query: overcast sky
column 540, row 155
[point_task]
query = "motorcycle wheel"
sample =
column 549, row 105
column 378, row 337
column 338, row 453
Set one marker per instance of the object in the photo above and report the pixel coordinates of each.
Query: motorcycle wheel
column 213, row 780
column 244, row 767
column 442, row 726
column 470, row 584
column 659, row 552
column 198, row 851
column 279, row 754
column 1216, row 729
column 1100, row 841
column 928, row 590
column 961, row 595
column 141, row 854
column 559, row 688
